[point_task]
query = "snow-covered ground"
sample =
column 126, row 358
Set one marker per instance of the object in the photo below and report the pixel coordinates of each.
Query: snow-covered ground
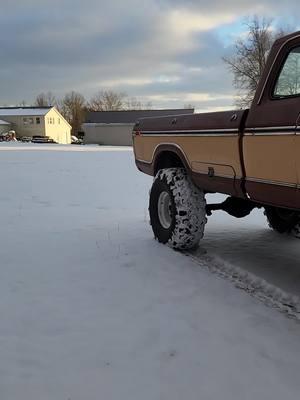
column 250, row 244
column 93, row 308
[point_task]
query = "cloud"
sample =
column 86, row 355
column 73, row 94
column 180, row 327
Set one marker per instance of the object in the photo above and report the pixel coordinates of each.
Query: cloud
column 167, row 51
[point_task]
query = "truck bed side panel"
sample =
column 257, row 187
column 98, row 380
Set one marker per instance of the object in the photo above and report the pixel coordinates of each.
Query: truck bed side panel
column 209, row 144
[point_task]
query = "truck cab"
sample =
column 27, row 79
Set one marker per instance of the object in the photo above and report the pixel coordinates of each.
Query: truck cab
column 271, row 143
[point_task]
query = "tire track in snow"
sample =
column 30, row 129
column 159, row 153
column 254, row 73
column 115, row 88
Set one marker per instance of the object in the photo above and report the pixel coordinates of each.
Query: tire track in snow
column 257, row 287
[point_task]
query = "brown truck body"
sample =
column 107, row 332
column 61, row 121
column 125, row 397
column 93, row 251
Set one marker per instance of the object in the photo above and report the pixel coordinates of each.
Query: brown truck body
column 251, row 154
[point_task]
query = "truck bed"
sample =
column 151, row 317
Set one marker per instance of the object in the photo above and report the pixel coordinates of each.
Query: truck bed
column 208, row 144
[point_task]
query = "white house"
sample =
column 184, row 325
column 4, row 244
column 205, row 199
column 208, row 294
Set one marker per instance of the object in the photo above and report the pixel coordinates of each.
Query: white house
column 37, row 121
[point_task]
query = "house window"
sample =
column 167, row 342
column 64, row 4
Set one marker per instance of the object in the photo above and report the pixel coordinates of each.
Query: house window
column 27, row 121
column 38, row 120
column 58, row 121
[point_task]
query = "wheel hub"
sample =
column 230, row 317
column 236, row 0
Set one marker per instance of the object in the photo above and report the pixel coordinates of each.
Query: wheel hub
column 165, row 210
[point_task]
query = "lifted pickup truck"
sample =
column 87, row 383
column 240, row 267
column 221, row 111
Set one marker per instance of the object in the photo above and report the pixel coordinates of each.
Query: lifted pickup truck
column 251, row 155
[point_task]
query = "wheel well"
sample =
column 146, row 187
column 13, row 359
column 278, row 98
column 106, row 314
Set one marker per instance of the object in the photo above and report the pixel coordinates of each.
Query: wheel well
column 167, row 159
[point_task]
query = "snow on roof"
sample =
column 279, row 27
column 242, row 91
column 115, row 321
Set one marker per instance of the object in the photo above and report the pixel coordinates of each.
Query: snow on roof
column 4, row 122
column 23, row 111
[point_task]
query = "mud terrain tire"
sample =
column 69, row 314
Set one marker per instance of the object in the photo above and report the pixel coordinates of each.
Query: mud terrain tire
column 283, row 220
column 177, row 209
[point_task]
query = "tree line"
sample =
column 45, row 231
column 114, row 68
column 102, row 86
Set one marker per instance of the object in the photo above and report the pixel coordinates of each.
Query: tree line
column 73, row 106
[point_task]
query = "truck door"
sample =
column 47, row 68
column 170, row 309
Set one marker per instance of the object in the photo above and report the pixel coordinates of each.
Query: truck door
column 297, row 147
column 271, row 144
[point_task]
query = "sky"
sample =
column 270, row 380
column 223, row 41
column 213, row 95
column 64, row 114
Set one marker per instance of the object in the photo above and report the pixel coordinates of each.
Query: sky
column 168, row 52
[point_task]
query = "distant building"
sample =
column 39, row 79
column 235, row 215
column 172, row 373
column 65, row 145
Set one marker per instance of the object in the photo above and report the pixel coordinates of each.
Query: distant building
column 115, row 127
column 4, row 126
column 37, row 121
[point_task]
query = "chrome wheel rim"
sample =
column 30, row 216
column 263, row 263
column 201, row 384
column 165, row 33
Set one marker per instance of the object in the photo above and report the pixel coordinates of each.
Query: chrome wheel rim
column 164, row 210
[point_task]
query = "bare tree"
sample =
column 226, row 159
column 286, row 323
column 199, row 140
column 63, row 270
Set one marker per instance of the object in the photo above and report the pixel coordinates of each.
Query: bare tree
column 107, row 100
column 250, row 58
column 188, row 106
column 73, row 107
column 134, row 104
column 45, row 99
column 22, row 103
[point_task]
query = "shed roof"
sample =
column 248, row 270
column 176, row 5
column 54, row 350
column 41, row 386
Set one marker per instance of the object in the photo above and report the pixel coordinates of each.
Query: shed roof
column 24, row 111
column 4, row 122
column 127, row 117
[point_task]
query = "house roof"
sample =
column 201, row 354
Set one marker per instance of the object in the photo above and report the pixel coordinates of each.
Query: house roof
column 24, row 111
column 4, row 122
column 127, row 117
